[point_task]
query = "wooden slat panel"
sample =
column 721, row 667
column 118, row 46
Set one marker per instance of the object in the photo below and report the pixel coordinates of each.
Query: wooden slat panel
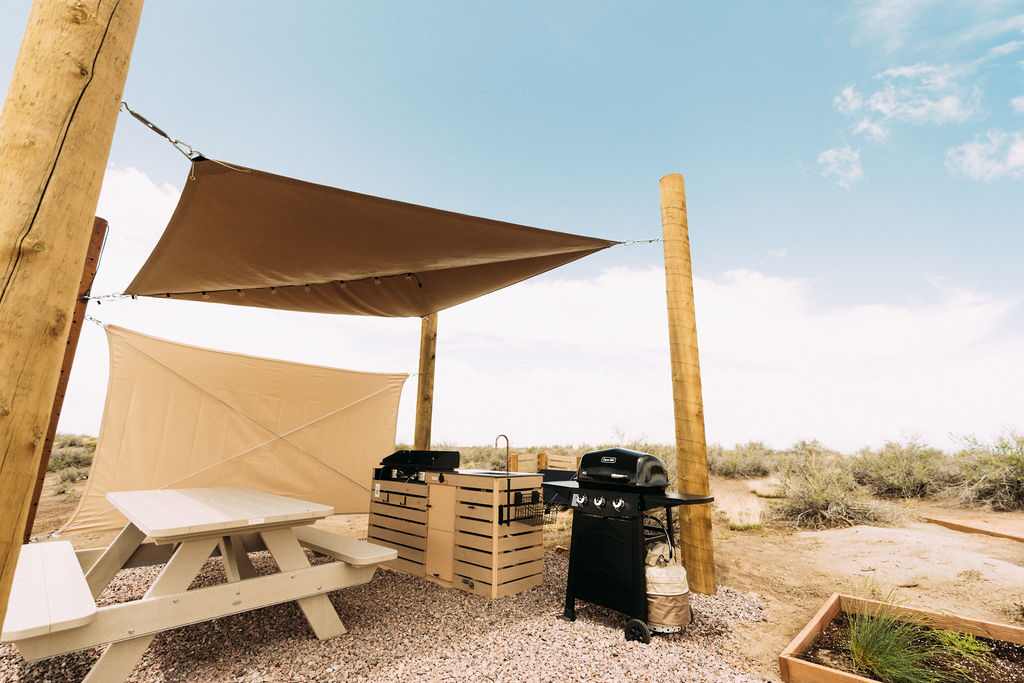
column 519, row 556
column 516, row 528
column 399, row 512
column 521, row 541
column 473, row 571
column 520, row 571
column 418, row 542
column 490, row 483
column 472, row 541
column 414, row 528
column 403, row 500
column 477, row 557
column 484, row 513
column 402, row 487
column 513, row 587
column 405, row 566
column 481, row 588
column 487, row 528
column 471, row 496
column 558, row 461
column 403, row 552
column 392, row 498
column 474, row 526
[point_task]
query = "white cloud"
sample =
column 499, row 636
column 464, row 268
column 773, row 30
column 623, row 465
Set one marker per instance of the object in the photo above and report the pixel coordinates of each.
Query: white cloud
column 577, row 360
column 1017, row 104
column 1006, row 49
column 841, row 164
column 919, row 93
column 930, row 76
column 995, row 155
column 912, row 106
column 888, row 22
column 992, row 28
column 871, row 130
column 848, row 100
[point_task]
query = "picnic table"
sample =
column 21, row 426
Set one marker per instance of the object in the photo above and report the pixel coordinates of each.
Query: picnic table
column 52, row 609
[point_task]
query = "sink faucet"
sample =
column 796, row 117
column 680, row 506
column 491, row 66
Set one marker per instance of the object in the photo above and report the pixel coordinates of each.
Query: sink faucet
column 496, row 440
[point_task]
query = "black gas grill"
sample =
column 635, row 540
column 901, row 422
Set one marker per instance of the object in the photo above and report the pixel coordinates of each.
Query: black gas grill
column 615, row 489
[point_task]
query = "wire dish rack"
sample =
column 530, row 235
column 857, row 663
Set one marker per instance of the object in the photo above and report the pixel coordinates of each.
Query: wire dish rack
column 525, row 509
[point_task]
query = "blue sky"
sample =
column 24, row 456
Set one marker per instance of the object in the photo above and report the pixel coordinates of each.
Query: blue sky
column 871, row 152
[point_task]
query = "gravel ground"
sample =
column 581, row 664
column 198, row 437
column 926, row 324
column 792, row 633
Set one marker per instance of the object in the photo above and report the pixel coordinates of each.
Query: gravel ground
column 402, row 628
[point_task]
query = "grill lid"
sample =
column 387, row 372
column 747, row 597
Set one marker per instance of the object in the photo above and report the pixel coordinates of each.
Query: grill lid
column 622, row 468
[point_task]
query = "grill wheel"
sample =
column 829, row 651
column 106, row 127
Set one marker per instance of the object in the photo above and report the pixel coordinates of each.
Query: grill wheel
column 638, row 630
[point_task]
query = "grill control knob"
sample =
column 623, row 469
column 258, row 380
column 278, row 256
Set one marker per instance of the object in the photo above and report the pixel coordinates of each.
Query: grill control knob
column 618, row 503
column 579, row 499
column 599, row 502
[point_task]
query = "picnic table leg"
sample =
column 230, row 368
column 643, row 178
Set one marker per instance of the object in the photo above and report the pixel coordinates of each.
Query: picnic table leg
column 289, row 555
column 118, row 660
column 103, row 570
column 236, row 560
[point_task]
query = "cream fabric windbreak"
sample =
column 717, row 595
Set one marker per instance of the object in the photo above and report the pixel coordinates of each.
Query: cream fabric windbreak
column 180, row 416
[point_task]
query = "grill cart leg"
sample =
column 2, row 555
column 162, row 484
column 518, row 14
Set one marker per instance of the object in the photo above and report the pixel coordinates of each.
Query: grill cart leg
column 570, row 606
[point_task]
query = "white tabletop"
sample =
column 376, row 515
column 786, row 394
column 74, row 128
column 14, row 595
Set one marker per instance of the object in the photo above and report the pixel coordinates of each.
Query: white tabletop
column 172, row 514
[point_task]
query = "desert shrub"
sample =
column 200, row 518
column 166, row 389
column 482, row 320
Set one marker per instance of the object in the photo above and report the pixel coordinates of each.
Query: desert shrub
column 992, row 474
column 908, row 470
column 820, row 492
column 748, row 461
column 71, row 450
column 70, row 475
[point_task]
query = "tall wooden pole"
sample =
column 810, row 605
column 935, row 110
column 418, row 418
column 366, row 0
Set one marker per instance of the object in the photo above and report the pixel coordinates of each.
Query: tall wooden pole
column 55, row 132
column 92, row 260
column 691, row 447
column 425, row 386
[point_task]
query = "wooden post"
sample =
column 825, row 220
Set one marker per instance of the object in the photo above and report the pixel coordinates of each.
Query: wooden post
column 55, row 132
column 92, row 259
column 425, row 385
column 691, row 447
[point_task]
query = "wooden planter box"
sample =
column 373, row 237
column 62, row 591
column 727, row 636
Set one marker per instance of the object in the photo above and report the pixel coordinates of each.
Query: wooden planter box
column 523, row 462
column 795, row 670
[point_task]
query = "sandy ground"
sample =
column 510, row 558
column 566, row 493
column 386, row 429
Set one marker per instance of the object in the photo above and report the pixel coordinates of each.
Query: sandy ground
column 793, row 572
column 925, row 564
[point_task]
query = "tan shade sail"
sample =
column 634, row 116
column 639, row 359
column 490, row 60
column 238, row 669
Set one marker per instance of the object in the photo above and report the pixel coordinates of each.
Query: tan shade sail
column 245, row 237
column 179, row 416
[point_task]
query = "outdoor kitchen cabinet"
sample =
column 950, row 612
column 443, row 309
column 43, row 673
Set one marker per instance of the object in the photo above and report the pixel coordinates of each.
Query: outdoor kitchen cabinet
column 440, row 531
column 446, row 530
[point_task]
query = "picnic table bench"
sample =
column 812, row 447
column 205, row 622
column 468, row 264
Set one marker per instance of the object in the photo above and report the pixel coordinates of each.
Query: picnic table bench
column 52, row 609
